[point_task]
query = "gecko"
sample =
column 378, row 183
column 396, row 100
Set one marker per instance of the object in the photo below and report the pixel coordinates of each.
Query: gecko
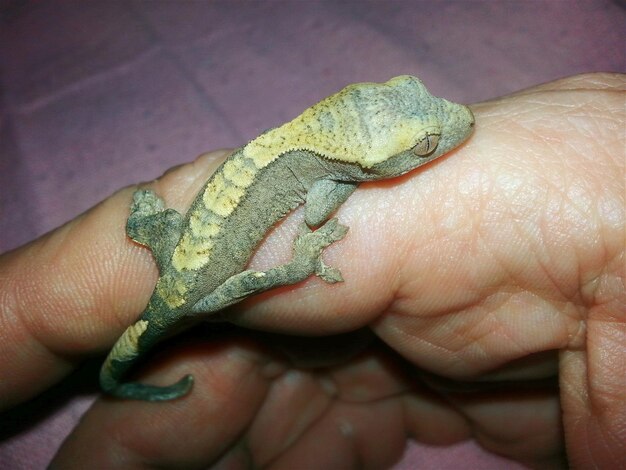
column 365, row 132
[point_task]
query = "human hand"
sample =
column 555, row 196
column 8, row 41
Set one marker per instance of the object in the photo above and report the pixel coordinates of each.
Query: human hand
column 485, row 277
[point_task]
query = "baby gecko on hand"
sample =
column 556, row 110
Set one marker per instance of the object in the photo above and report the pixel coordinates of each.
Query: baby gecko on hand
column 365, row 132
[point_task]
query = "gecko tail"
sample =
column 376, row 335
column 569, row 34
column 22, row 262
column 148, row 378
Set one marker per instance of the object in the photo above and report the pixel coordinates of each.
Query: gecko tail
column 122, row 357
column 137, row 391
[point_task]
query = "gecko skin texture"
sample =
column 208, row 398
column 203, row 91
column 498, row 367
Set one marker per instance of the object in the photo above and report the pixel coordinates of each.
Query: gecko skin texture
column 365, row 132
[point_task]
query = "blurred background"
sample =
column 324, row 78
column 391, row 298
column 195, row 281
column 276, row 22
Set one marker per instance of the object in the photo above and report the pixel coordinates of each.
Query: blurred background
column 98, row 95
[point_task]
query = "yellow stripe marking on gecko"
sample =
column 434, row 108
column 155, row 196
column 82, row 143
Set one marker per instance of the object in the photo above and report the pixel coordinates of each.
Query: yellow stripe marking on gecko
column 221, row 197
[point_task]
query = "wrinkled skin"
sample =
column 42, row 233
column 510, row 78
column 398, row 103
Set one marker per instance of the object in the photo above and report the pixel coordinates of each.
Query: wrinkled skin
column 488, row 276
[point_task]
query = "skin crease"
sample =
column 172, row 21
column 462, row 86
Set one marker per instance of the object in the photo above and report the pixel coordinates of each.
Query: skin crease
column 504, row 272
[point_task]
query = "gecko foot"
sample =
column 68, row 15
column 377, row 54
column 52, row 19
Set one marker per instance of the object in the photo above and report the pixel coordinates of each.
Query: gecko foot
column 309, row 245
column 145, row 203
column 328, row 273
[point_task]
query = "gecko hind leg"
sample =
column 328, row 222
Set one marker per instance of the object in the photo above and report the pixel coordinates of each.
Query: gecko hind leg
column 306, row 261
column 154, row 226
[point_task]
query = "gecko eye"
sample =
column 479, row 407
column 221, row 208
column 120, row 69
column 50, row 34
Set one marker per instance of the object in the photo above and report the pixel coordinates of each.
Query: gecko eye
column 426, row 145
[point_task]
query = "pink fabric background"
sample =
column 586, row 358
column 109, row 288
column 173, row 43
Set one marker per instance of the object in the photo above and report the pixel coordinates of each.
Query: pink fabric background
column 99, row 95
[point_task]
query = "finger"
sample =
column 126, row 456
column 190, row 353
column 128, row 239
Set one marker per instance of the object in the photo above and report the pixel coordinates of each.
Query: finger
column 72, row 291
column 522, row 425
column 373, row 405
column 350, row 435
column 592, row 383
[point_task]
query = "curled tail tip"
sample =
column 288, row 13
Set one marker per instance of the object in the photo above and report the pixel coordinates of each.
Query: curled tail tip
column 137, row 391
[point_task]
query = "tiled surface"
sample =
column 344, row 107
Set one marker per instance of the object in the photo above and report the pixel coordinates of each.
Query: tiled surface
column 98, row 95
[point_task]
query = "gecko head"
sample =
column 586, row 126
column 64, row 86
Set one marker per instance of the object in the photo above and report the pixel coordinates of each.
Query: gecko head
column 386, row 129
column 409, row 127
